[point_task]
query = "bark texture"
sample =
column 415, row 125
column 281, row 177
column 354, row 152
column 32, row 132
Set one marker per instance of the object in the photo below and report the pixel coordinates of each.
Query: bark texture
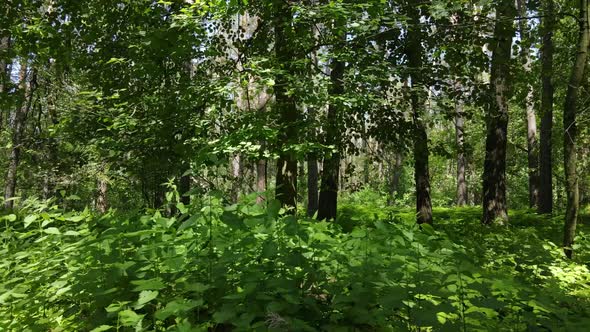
column 17, row 124
column 286, row 179
column 494, row 178
column 529, row 106
column 462, row 196
column 546, row 159
column 312, row 186
column 395, row 169
column 102, row 202
column 415, row 54
column 260, row 180
column 328, row 201
column 570, row 131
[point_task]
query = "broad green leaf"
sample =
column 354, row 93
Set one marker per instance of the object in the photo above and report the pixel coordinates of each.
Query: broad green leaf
column 52, row 230
column 145, row 297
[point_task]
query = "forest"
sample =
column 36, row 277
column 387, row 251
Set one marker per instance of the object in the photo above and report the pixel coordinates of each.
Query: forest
column 294, row 165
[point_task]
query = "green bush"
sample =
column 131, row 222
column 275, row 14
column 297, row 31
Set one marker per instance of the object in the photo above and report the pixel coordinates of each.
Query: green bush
column 248, row 268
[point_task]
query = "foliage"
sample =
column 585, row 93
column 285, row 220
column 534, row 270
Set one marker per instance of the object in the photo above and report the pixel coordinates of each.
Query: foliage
column 243, row 267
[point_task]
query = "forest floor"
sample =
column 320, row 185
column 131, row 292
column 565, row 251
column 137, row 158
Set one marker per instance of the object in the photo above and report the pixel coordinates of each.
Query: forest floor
column 245, row 268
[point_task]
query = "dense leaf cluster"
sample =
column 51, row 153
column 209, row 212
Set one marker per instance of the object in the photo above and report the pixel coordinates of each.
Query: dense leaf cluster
column 244, row 267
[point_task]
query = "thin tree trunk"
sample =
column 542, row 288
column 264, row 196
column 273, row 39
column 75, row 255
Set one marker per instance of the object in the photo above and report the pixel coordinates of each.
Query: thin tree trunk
column 286, row 179
column 546, row 159
column 570, row 128
column 312, row 185
column 51, row 143
column 462, row 196
column 260, row 180
column 184, row 187
column 328, row 201
column 421, row 153
column 4, row 77
column 395, row 169
column 102, row 202
column 494, row 178
column 18, row 127
column 236, row 177
column 529, row 105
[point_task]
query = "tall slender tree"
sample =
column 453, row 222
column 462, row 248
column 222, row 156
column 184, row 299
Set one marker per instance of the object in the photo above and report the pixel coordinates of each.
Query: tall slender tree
column 415, row 54
column 529, row 105
column 570, row 129
column 494, row 177
column 17, row 124
column 286, row 179
column 461, row 158
column 546, row 160
column 328, row 200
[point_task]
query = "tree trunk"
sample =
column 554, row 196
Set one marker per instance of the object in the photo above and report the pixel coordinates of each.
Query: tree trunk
column 312, row 186
column 546, row 160
column 569, row 125
column 4, row 77
column 18, row 126
column 421, row 153
column 51, row 158
column 462, row 196
column 529, row 105
column 494, row 178
column 395, row 169
column 328, row 202
column 102, row 202
column 286, row 180
column 260, row 180
column 184, row 187
column 236, row 177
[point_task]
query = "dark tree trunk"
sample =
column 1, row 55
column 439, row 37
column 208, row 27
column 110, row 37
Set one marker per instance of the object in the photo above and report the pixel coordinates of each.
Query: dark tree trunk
column 529, row 105
column 18, row 126
column 570, row 128
column 4, row 77
column 462, row 196
column 184, row 187
column 395, row 169
column 312, row 186
column 286, row 180
column 494, row 178
column 328, row 201
column 546, row 160
column 415, row 54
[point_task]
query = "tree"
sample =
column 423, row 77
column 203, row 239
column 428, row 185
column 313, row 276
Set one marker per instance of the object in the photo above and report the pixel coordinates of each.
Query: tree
column 328, row 200
column 494, row 176
column 461, row 158
column 545, row 153
column 415, row 55
column 286, row 179
column 529, row 105
column 570, row 129
column 18, row 122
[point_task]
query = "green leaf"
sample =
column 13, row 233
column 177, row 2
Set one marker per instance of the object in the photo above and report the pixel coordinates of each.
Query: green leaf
column 145, row 297
column 177, row 308
column 29, row 219
column 52, row 230
column 129, row 317
column 150, row 284
column 358, row 233
column 102, row 328
column 10, row 217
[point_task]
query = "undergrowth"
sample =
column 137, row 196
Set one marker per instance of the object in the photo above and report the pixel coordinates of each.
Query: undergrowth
column 247, row 268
